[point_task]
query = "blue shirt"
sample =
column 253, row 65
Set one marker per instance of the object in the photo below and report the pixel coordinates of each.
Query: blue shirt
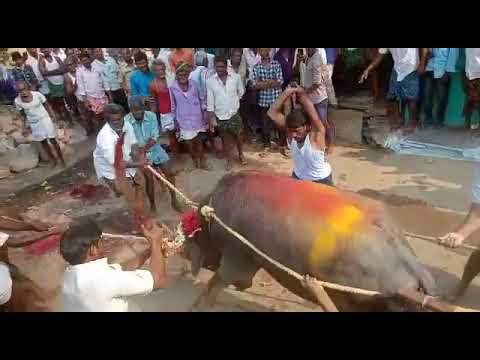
column 443, row 60
column 331, row 55
column 145, row 130
column 140, row 83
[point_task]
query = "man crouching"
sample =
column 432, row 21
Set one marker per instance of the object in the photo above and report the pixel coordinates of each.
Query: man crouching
column 91, row 284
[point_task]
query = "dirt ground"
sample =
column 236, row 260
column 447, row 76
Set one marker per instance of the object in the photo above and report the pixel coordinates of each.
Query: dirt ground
column 427, row 196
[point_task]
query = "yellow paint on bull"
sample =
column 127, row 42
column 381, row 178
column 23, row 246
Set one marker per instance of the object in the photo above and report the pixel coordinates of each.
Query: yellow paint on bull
column 342, row 223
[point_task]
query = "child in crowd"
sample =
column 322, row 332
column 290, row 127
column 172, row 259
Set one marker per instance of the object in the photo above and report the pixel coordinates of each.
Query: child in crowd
column 35, row 109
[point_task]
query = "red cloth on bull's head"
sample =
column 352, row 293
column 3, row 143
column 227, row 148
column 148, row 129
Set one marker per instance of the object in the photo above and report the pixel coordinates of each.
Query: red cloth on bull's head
column 190, row 223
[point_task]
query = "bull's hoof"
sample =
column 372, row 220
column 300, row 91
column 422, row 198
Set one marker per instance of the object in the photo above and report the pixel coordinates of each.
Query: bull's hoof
column 243, row 285
column 202, row 304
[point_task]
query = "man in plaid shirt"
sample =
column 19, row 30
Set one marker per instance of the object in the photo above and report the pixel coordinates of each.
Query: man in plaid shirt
column 268, row 80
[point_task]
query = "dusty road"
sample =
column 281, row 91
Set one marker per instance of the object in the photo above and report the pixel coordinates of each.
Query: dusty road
column 427, row 196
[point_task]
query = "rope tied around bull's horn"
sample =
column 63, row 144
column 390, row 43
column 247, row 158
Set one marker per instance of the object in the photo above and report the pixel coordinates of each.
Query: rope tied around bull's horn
column 209, row 214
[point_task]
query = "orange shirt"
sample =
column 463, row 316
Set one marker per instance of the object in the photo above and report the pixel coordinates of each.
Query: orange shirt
column 182, row 55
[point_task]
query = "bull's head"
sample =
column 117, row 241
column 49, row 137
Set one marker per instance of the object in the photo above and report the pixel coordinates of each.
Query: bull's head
column 198, row 247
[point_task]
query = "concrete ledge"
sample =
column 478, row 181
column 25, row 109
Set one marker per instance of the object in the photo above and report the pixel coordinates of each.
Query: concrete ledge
column 348, row 124
column 14, row 184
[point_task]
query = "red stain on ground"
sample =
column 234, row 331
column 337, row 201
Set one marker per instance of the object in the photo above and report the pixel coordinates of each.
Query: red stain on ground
column 91, row 193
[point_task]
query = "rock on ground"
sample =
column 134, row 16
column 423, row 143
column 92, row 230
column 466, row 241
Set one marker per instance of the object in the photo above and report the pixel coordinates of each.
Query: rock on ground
column 7, row 143
column 348, row 124
column 4, row 172
column 26, row 158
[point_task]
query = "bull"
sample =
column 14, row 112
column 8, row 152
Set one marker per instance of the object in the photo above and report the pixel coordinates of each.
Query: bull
column 316, row 230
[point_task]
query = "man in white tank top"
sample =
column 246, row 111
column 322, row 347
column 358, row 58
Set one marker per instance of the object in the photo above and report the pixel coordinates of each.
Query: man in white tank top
column 52, row 69
column 306, row 137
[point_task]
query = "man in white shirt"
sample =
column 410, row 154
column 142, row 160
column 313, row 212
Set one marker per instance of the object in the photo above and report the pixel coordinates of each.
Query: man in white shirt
column 318, row 85
column 224, row 91
column 32, row 60
column 112, row 79
column 251, row 57
column 60, row 53
column 164, row 55
column 91, row 284
column 200, row 74
column 408, row 65
column 5, row 278
column 107, row 138
column 470, row 225
column 91, row 92
column 472, row 83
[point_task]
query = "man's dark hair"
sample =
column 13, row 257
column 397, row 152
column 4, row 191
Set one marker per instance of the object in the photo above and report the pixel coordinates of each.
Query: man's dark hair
column 139, row 56
column 221, row 59
column 78, row 239
column 16, row 55
column 84, row 54
column 111, row 109
column 296, row 119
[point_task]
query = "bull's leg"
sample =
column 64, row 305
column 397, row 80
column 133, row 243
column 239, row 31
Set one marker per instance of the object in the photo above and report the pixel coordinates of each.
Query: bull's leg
column 472, row 269
column 209, row 295
column 238, row 270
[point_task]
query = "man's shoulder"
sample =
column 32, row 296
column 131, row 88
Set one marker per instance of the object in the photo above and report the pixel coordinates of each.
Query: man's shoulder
column 210, row 80
column 104, row 133
column 128, row 122
column 135, row 73
column 150, row 116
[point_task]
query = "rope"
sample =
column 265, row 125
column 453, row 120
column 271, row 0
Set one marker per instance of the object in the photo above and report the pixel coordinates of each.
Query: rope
column 435, row 240
column 172, row 187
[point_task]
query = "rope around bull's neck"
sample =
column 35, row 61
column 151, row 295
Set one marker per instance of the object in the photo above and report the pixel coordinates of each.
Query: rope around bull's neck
column 209, row 213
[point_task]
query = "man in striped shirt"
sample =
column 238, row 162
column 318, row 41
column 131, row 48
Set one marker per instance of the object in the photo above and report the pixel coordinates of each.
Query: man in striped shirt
column 268, row 79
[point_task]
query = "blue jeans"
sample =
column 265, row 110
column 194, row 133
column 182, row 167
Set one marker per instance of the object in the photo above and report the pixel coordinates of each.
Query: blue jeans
column 326, row 181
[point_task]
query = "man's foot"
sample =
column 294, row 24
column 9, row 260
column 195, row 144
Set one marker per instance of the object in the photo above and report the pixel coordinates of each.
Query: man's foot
column 243, row 161
column 284, row 152
column 204, row 165
column 396, row 126
column 54, row 164
column 64, row 165
column 265, row 152
column 229, row 165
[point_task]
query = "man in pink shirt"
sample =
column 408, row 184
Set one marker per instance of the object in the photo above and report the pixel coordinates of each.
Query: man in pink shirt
column 189, row 105
column 91, row 91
